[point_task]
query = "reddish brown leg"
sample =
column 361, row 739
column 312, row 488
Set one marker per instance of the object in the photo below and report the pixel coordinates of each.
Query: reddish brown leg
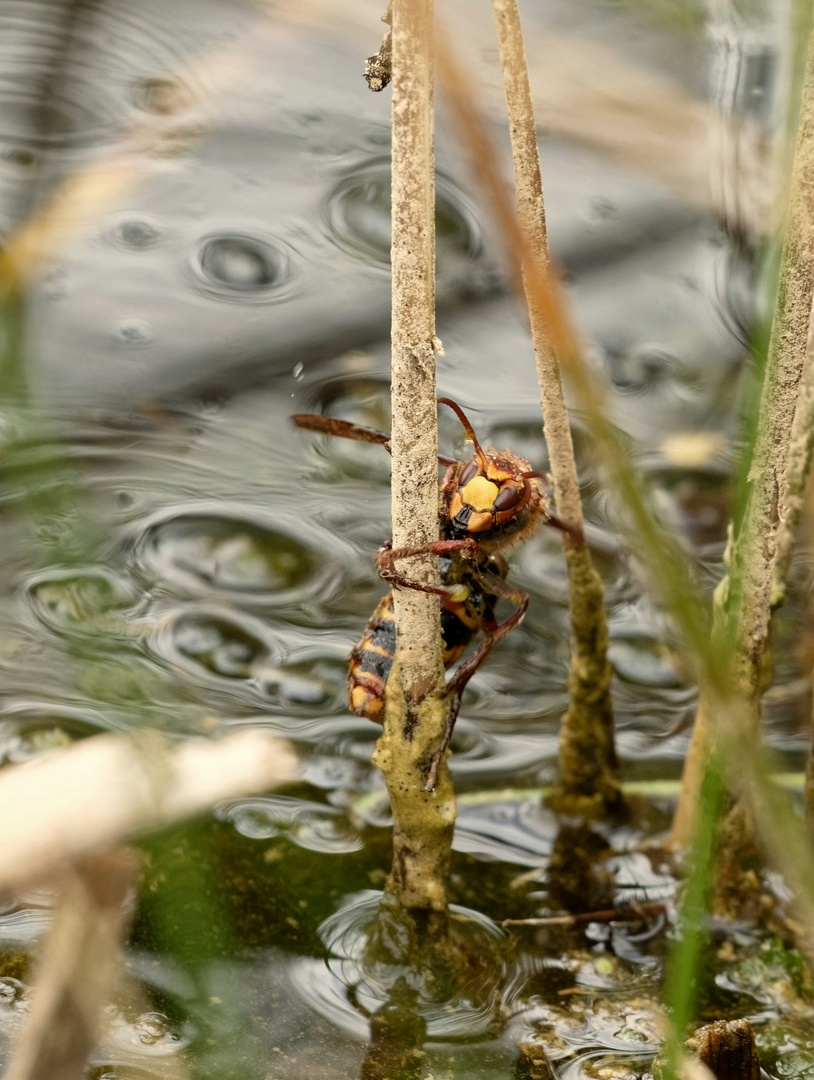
column 457, row 684
column 386, row 556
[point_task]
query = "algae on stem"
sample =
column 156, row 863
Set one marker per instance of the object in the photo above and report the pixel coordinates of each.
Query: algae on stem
column 588, row 784
column 415, row 709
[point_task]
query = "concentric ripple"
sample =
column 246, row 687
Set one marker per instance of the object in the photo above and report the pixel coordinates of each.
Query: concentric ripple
column 241, row 267
column 87, row 57
column 357, row 217
column 135, row 232
column 220, row 642
column 86, row 602
column 30, row 729
column 358, row 985
column 150, row 1034
column 238, row 653
column 207, row 549
column 309, row 825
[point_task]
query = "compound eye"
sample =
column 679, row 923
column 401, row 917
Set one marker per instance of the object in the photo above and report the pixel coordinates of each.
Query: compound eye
column 468, row 472
column 508, row 497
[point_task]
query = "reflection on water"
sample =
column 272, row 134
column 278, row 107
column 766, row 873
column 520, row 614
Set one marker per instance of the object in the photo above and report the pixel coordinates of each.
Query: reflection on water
column 174, row 553
column 359, row 983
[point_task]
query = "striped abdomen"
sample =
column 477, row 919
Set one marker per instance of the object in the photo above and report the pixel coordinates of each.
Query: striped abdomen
column 372, row 658
column 371, row 661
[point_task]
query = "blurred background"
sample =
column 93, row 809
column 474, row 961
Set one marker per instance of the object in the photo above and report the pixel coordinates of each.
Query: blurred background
column 195, row 198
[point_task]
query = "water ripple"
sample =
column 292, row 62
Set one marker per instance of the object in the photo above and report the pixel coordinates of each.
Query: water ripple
column 28, row 729
column 244, row 656
column 150, row 1034
column 358, row 985
column 242, row 266
column 86, row 603
column 309, row 825
column 239, row 552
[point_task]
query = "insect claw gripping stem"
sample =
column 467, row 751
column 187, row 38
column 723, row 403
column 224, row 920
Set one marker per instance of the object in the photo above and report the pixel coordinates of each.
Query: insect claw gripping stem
column 386, row 556
column 458, row 682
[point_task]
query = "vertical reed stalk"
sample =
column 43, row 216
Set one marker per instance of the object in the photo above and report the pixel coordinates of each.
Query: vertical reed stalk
column 797, row 477
column 808, row 790
column 744, row 598
column 588, row 780
column 415, row 709
column 672, row 582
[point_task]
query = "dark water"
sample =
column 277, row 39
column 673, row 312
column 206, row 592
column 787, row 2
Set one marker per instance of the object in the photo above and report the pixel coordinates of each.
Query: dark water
column 174, row 554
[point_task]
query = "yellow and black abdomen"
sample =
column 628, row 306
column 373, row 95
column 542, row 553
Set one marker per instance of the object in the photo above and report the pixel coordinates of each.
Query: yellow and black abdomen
column 371, row 662
column 372, row 658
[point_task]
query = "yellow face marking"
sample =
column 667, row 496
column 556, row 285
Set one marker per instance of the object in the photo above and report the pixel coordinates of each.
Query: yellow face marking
column 480, row 494
column 480, row 523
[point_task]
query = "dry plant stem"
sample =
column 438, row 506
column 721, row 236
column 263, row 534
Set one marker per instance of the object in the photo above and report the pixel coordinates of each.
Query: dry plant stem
column 797, row 477
column 666, row 562
column 808, row 790
column 588, row 782
column 618, row 914
column 414, row 431
column 798, row 488
column 743, row 599
column 108, row 789
column 76, row 970
column 422, row 821
column 415, row 713
column 727, row 1048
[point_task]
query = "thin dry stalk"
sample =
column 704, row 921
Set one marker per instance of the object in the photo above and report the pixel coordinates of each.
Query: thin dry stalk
column 414, row 438
column 798, row 475
column 798, row 490
column 107, row 789
column 808, row 789
column 664, row 558
column 588, row 776
column 531, row 215
column 76, row 970
column 744, row 598
column 415, row 710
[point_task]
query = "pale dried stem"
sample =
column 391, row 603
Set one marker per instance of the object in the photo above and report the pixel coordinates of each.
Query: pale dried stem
column 414, row 439
column 588, row 781
column 743, row 599
column 665, row 559
column 415, row 712
column 107, row 789
column 531, row 215
column 62, row 818
column 76, row 969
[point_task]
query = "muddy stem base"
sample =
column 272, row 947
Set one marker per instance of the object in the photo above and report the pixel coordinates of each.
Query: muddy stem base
column 588, row 786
